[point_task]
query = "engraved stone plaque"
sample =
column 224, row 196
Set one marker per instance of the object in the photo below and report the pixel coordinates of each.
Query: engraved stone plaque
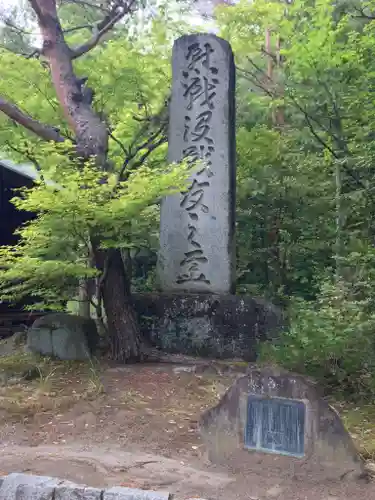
column 275, row 425
column 277, row 421
column 197, row 227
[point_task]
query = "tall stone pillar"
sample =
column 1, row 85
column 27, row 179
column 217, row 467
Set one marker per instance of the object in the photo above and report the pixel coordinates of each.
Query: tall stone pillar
column 197, row 245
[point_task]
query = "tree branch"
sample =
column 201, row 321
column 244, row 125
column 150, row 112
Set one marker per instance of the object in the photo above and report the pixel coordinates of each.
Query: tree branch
column 362, row 14
column 150, row 145
column 17, row 29
column 150, row 149
column 153, row 140
column 336, row 155
column 74, row 97
column 258, row 83
column 25, row 152
column 86, row 4
column 249, row 75
column 78, row 28
column 308, row 120
column 117, row 13
column 45, row 132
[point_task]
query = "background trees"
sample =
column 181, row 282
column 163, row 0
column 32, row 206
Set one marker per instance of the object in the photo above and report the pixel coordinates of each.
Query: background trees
column 306, row 189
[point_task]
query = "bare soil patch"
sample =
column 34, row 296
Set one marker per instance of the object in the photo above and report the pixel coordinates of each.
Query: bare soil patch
column 102, row 424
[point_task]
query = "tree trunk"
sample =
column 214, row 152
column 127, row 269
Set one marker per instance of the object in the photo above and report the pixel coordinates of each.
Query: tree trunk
column 84, row 298
column 339, row 223
column 124, row 334
column 90, row 139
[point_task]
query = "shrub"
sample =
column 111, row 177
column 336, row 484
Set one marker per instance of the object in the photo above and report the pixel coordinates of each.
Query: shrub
column 331, row 339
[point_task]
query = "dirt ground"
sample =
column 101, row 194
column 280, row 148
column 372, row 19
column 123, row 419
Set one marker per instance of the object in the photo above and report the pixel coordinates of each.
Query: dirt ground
column 134, row 426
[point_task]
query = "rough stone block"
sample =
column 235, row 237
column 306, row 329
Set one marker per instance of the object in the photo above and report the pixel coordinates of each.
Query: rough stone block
column 70, row 491
column 40, row 340
column 68, row 346
column 197, row 247
column 119, row 493
column 218, row 326
column 27, row 487
column 63, row 336
column 328, row 450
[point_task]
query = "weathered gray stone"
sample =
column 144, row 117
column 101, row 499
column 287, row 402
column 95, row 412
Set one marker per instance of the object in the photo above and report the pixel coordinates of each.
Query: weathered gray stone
column 328, row 448
column 13, row 343
column 119, row 493
column 27, row 487
column 77, row 492
column 197, row 250
column 39, row 339
column 215, row 326
column 63, row 336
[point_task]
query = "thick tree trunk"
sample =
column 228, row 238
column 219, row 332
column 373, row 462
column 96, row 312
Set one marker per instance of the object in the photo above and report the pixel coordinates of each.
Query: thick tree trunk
column 124, row 334
column 91, row 138
column 90, row 141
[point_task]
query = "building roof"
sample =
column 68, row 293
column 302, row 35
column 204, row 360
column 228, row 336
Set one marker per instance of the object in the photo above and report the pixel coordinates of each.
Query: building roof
column 24, row 169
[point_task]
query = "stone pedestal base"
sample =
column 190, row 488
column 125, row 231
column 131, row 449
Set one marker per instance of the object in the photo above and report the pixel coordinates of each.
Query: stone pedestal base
column 216, row 326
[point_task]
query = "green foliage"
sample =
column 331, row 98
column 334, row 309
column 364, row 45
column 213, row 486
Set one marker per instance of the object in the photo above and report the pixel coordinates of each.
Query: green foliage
column 332, row 340
column 74, row 207
column 16, row 20
column 305, row 143
column 287, row 185
column 284, row 205
column 130, row 74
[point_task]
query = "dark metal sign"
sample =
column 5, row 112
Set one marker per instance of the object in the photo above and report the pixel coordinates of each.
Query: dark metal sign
column 275, row 425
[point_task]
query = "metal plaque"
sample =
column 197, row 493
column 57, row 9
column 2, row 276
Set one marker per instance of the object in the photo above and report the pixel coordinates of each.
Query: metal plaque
column 275, row 425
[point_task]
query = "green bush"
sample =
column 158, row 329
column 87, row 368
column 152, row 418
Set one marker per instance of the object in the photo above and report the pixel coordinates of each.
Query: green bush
column 331, row 339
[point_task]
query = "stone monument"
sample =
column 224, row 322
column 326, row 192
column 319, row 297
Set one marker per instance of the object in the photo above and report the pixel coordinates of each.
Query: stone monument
column 197, row 312
column 275, row 420
column 197, row 250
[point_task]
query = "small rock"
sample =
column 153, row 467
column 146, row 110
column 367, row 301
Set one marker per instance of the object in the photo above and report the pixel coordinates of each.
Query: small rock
column 186, row 369
column 31, row 374
column 275, row 491
column 20, row 337
column 370, row 468
column 12, row 344
column 208, row 369
column 64, row 336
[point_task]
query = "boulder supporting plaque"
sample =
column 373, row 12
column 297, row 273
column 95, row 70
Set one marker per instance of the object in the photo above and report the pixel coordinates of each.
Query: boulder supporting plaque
column 276, row 420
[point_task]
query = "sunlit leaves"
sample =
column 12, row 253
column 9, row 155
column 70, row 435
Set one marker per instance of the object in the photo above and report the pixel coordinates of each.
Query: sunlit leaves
column 286, row 172
column 76, row 203
column 79, row 204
